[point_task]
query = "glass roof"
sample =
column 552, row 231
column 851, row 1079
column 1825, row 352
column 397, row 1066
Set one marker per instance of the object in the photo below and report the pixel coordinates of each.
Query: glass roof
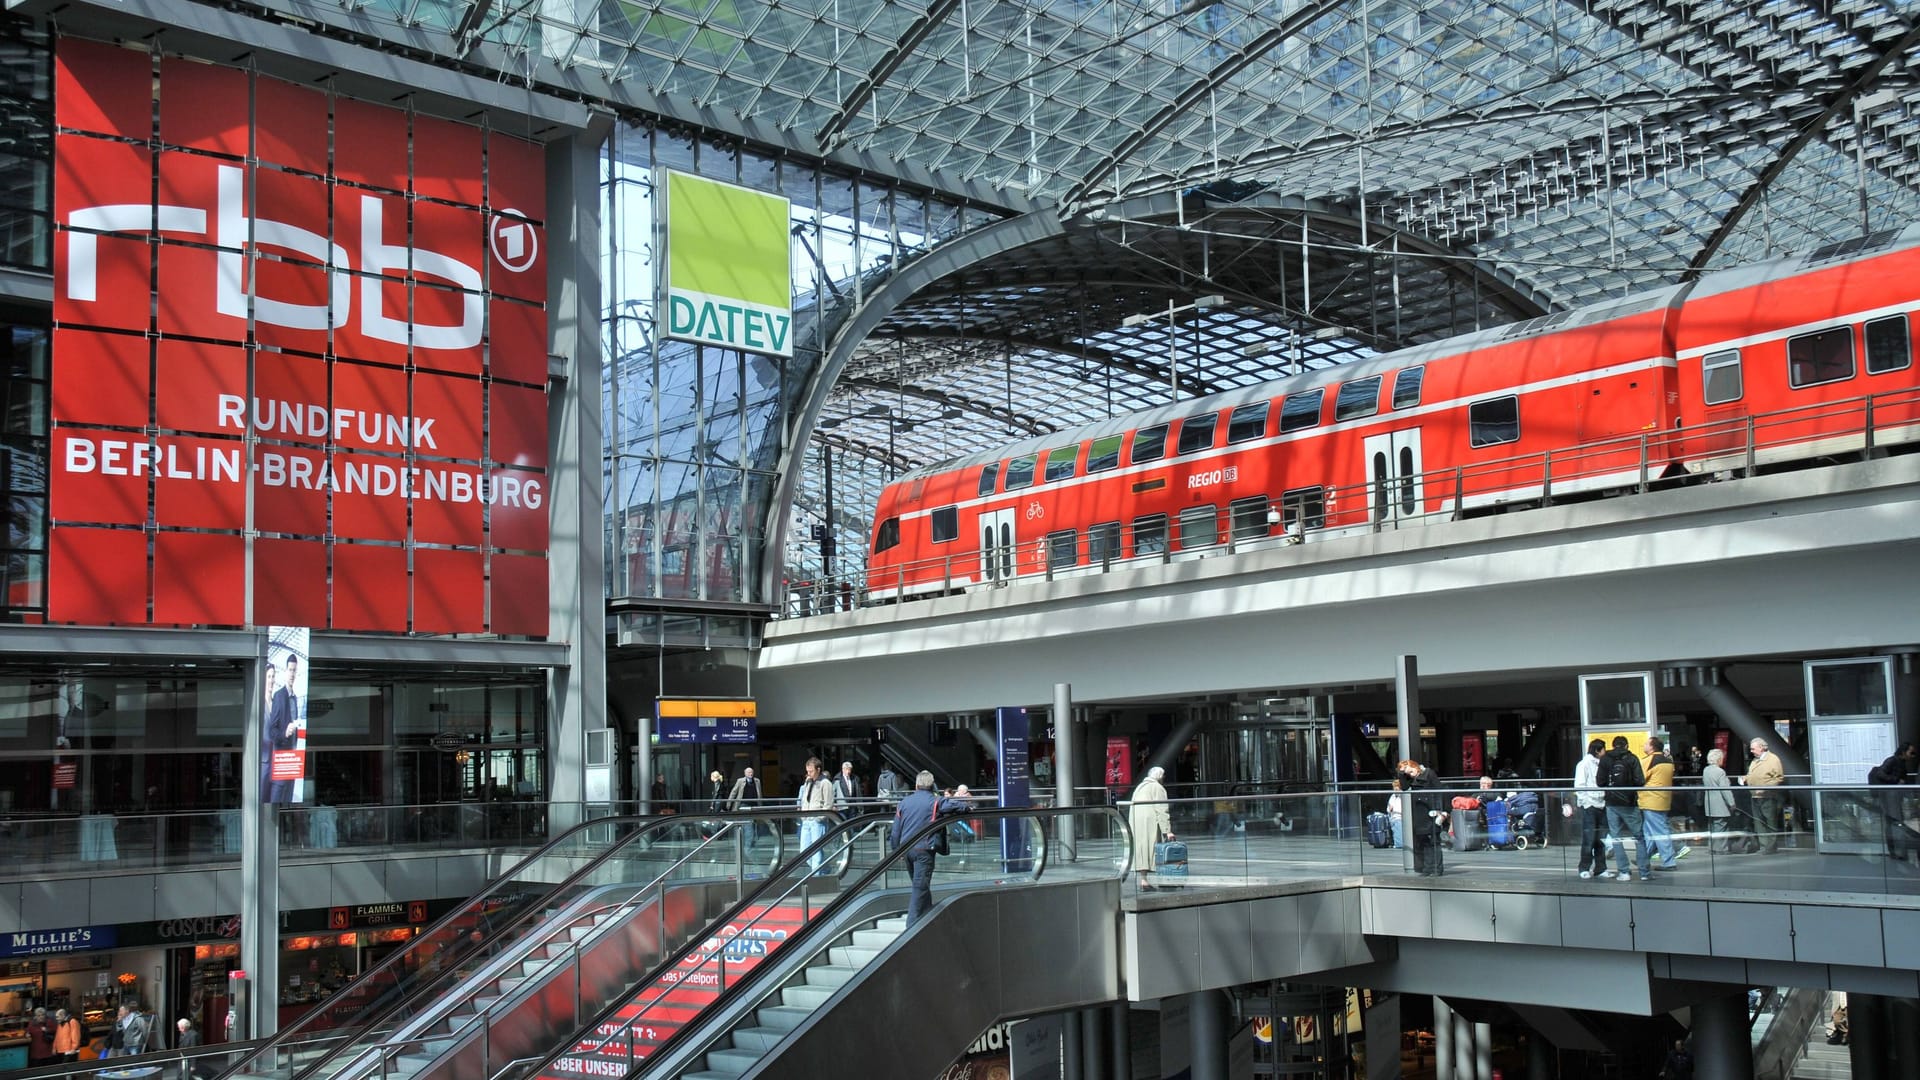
column 1450, row 163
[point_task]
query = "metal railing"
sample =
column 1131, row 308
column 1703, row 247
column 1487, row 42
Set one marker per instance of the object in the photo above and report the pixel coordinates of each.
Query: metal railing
column 1626, row 464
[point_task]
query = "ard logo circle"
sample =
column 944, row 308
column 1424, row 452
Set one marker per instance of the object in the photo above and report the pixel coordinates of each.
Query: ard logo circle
column 515, row 243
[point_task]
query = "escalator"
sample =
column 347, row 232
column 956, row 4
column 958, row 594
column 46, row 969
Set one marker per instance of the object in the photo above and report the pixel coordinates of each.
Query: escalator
column 574, row 926
column 810, row 952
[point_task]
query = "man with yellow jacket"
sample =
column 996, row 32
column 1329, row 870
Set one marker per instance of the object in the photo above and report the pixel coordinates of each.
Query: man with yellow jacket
column 1656, row 801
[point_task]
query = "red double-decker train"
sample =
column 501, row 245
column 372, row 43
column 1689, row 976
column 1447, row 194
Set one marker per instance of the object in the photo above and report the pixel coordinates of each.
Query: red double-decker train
column 1799, row 359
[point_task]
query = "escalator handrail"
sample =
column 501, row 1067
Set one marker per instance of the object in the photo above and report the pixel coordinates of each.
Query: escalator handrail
column 297, row 1032
column 698, row 941
column 727, row 994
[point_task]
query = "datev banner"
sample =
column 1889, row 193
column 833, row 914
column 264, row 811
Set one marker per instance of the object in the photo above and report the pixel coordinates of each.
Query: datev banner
column 729, row 273
column 283, row 735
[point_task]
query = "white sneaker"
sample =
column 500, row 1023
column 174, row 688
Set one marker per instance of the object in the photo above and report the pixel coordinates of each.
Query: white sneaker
column 1606, row 873
column 1624, row 878
column 1585, row 874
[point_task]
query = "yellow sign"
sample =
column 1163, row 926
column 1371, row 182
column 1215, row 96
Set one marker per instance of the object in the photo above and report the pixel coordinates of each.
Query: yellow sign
column 717, row 708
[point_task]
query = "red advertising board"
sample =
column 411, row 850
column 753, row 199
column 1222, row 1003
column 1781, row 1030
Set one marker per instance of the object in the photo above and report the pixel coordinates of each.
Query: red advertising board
column 297, row 380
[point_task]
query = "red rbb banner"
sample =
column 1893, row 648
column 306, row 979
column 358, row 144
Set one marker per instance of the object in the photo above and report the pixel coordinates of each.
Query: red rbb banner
column 318, row 362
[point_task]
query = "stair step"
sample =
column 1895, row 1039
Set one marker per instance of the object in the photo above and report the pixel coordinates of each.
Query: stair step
column 758, row 1039
column 738, row 1061
column 853, row 956
column 830, row 975
column 781, row 1017
column 807, row 995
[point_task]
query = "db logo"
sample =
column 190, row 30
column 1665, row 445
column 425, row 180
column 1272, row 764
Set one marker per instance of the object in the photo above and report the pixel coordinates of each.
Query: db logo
column 515, row 243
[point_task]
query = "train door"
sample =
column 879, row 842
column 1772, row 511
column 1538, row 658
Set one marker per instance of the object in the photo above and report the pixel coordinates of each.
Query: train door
column 1393, row 475
column 998, row 545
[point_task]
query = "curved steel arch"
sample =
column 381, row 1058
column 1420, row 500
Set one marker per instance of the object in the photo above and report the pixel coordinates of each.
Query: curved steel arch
column 996, row 239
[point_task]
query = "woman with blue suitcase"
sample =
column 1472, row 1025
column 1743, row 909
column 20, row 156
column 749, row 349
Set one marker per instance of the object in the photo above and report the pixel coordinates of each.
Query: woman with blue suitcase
column 1150, row 819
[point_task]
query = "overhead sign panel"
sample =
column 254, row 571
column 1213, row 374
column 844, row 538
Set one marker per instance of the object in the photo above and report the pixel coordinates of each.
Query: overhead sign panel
column 729, row 273
column 706, row 720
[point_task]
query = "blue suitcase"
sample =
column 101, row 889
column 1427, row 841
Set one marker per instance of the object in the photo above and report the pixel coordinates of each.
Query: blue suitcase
column 1169, row 859
column 1379, row 830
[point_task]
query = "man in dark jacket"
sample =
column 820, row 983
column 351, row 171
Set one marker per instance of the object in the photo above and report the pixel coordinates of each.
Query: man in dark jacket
column 1621, row 775
column 915, row 812
column 1425, row 815
column 1896, row 770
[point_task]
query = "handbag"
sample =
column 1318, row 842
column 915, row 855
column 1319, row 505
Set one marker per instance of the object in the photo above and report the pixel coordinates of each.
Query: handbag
column 937, row 843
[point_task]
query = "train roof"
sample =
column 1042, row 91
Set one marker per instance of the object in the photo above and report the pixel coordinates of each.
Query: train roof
column 1711, row 284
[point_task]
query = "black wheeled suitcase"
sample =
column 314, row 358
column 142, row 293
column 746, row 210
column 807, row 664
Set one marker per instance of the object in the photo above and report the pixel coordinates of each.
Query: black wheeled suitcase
column 1379, row 829
column 1469, row 830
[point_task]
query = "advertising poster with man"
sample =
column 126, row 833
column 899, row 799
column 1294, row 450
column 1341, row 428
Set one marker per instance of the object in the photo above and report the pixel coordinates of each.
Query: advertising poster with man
column 283, row 733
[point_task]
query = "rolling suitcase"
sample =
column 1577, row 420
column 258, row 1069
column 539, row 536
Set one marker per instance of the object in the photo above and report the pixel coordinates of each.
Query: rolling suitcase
column 1169, row 861
column 1499, row 825
column 1469, row 830
column 1379, row 829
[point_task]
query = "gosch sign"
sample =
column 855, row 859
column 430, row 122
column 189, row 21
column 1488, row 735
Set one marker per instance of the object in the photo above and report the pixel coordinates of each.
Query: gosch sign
column 294, row 333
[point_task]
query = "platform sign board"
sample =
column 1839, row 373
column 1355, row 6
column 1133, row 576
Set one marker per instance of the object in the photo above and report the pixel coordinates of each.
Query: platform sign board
column 706, row 720
column 1617, row 703
column 1015, row 786
column 283, row 734
column 1850, row 730
column 729, row 279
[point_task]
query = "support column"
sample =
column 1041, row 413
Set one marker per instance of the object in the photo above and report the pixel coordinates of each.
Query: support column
column 1867, row 1038
column 1207, row 1015
column 1065, row 758
column 1406, row 707
column 576, row 564
column 1543, row 1061
column 1483, row 1052
column 1442, row 1041
column 1903, row 1020
column 259, row 866
column 1070, row 1059
column 1463, row 1048
column 1119, row 1044
column 1722, row 1047
column 1093, row 1042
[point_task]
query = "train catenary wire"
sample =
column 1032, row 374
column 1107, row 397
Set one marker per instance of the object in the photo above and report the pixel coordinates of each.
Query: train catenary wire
column 1803, row 358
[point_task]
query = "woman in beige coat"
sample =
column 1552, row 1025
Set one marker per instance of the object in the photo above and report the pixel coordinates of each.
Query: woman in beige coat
column 1150, row 821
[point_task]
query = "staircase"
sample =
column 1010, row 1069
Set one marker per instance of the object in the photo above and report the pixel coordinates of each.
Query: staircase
column 1823, row 1060
column 760, row 1031
column 674, row 999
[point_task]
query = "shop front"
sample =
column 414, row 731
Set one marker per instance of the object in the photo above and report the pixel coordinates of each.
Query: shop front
column 85, row 970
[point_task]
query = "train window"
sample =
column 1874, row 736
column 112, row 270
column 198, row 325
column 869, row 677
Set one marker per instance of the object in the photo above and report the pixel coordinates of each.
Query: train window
column 1199, row 527
column 1103, row 542
column 1060, row 463
column 1248, row 422
column 1020, row 472
column 1248, row 517
column 1406, row 387
column 1196, row 432
column 945, row 523
column 1821, row 357
column 1300, row 411
column 1063, row 549
column 1150, row 534
column 1720, row 377
column 1303, row 507
column 1887, row 346
column 1150, row 444
column 988, row 477
column 1104, row 454
column 1358, row 398
column 1490, row 423
column 887, row 535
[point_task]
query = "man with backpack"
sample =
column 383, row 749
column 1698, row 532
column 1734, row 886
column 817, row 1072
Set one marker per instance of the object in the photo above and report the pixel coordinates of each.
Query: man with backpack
column 1621, row 776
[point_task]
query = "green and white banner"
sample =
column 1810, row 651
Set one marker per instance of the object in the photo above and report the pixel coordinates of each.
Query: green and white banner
column 729, row 277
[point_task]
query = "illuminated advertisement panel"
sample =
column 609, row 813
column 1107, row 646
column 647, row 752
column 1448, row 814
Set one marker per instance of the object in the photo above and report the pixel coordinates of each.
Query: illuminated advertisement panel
column 299, row 357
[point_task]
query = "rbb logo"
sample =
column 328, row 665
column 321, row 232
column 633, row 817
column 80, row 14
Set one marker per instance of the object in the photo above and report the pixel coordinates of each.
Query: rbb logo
column 231, row 228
